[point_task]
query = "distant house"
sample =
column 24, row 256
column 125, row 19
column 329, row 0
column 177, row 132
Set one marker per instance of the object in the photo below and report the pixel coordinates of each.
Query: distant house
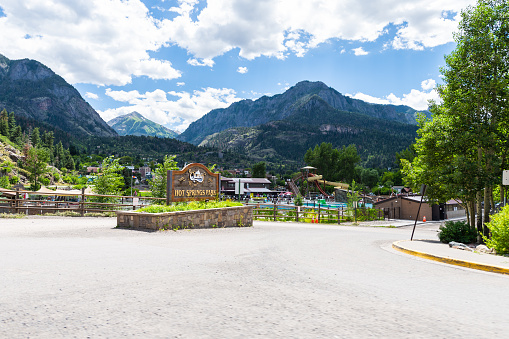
column 92, row 170
column 251, row 185
column 145, row 171
column 406, row 207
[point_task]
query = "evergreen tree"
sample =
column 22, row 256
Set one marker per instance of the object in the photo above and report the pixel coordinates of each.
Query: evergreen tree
column 36, row 163
column 35, row 137
column 59, row 160
column 4, row 123
column 12, row 123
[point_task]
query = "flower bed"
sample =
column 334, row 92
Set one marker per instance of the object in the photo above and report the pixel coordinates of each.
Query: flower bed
column 235, row 216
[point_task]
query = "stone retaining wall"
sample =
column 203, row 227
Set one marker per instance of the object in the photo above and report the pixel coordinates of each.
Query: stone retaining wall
column 239, row 216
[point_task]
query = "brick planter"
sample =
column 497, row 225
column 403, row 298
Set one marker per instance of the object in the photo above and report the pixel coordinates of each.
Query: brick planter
column 239, row 216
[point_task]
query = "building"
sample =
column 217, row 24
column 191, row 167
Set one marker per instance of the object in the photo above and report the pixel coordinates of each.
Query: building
column 255, row 186
column 406, row 207
column 92, row 170
column 145, row 171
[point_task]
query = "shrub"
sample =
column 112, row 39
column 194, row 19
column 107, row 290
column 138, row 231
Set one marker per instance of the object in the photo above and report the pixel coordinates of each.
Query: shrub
column 499, row 229
column 193, row 205
column 298, row 200
column 458, row 231
column 4, row 182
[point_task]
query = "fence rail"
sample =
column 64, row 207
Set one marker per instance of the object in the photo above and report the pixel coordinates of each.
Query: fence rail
column 318, row 214
column 15, row 202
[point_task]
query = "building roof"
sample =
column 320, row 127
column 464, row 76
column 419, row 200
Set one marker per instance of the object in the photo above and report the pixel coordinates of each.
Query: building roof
column 258, row 190
column 247, row 180
column 415, row 198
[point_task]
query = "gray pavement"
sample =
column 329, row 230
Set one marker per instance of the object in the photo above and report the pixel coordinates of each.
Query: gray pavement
column 432, row 249
column 81, row 277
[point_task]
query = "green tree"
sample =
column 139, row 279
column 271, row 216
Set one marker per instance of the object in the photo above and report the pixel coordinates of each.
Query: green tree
column 36, row 164
column 17, row 136
column 12, row 123
column 461, row 151
column 158, row 183
column 259, row 170
column 369, row 177
column 35, row 137
column 326, row 160
column 4, row 123
column 109, row 180
column 59, row 156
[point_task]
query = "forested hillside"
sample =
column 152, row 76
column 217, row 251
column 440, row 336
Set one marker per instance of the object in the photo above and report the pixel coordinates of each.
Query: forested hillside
column 377, row 140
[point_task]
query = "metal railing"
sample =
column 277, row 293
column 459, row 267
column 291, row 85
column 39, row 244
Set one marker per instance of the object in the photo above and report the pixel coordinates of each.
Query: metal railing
column 313, row 214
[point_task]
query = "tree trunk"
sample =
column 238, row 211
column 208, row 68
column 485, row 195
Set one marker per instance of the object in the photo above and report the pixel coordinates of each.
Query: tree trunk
column 471, row 205
column 467, row 211
column 487, row 207
column 492, row 200
column 479, row 216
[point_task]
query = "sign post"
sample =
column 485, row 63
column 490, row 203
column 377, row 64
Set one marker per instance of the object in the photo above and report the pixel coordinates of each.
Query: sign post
column 423, row 191
column 193, row 182
column 239, row 188
column 505, row 182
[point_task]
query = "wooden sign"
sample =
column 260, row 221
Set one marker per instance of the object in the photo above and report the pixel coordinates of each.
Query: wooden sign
column 194, row 182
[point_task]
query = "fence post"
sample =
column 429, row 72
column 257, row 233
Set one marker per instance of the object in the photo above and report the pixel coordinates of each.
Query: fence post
column 297, row 208
column 82, row 203
column 339, row 217
column 16, row 201
column 318, row 213
column 275, row 211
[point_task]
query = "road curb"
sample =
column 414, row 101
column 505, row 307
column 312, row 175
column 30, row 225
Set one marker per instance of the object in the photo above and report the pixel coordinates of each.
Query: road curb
column 450, row 261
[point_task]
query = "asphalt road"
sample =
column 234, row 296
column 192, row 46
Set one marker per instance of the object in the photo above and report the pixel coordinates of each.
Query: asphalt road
column 81, row 277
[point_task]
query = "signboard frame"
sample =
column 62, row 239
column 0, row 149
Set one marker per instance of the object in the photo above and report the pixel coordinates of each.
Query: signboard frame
column 505, row 177
column 193, row 182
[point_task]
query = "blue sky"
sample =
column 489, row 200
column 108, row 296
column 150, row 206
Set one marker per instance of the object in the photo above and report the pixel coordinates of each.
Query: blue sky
column 175, row 60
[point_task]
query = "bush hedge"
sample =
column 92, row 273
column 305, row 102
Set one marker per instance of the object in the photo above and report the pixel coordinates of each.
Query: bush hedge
column 193, row 205
column 499, row 229
column 458, row 231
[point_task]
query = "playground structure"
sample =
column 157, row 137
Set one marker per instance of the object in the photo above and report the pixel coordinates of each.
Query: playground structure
column 316, row 180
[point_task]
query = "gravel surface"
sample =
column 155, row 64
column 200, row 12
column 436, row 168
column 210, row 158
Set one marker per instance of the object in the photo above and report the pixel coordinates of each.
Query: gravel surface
column 81, row 277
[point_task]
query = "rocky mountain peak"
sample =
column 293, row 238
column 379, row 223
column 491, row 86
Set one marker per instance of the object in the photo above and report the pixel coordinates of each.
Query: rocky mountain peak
column 32, row 90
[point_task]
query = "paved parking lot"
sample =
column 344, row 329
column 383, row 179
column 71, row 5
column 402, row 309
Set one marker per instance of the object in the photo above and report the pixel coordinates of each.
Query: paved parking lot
column 81, row 277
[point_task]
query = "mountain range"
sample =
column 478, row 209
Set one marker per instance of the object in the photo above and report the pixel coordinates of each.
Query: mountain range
column 283, row 127
column 249, row 113
column 136, row 124
column 33, row 91
column 279, row 128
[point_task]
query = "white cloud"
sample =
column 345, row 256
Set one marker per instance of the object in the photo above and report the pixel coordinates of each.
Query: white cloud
column 277, row 28
column 180, row 84
column 173, row 109
column 93, row 41
column 242, row 70
column 428, row 84
column 359, row 51
column 203, row 62
column 416, row 99
column 108, row 42
column 90, row 95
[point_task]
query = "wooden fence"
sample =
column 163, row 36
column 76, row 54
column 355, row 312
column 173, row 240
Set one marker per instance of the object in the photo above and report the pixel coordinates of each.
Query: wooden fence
column 318, row 214
column 50, row 203
column 44, row 203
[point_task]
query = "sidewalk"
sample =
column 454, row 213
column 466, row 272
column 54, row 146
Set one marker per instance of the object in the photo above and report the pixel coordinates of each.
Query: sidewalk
column 437, row 251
